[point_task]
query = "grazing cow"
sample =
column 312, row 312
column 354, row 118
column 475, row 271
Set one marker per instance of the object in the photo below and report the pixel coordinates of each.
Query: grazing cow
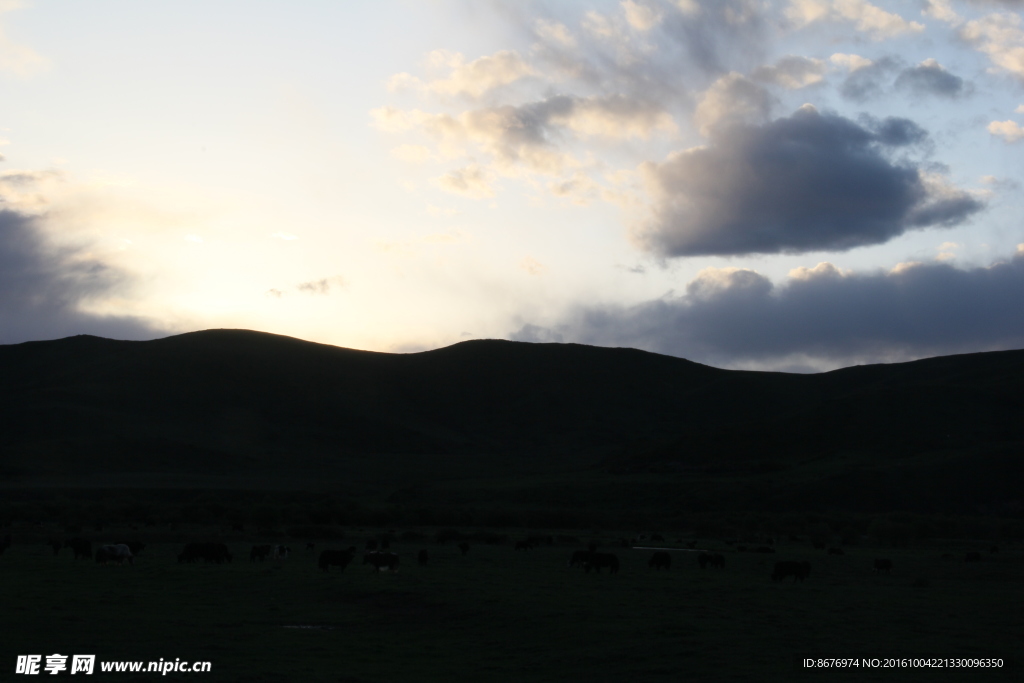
column 657, row 537
column 422, row 557
column 597, row 560
column 972, row 557
column 717, row 561
column 798, row 570
column 310, row 546
column 659, row 561
column 691, row 545
column 5, row 543
column 579, row 557
column 523, row 545
column 80, row 547
column 136, row 546
column 994, row 549
column 281, row 552
column 883, row 565
column 835, row 551
column 382, row 561
column 703, row 559
column 55, row 544
column 259, row 552
column 464, row 547
column 238, row 527
column 208, row 552
column 106, row 554
column 337, row 558
column 819, row 545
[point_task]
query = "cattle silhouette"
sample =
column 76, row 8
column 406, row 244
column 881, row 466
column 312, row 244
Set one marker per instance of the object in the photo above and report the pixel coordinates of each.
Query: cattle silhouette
column 798, row 570
column 336, row 558
column 5, row 543
column 80, row 547
column 972, row 557
column 717, row 561
column 703, row 559
column 836, row 551
column 578, row 558
column 422, row 557
column 596, row 561
column 883, row 565
column 464, row 548
column 660, row 560
column 382, row 561
column 259, row 552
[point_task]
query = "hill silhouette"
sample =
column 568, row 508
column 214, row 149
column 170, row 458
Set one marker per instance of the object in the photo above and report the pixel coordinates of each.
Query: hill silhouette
column 248, row 407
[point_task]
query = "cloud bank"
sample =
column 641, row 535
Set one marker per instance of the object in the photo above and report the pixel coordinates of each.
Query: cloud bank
column 43, row 288
column 821, row 318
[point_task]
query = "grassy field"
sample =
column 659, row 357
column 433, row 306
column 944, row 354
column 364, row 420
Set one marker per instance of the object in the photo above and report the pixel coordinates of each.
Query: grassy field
column 501, row 615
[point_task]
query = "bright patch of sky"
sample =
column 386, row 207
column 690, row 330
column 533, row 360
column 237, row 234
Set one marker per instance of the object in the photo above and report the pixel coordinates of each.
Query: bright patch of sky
column 742, row 183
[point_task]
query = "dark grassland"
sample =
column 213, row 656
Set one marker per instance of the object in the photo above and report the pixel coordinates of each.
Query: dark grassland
column 182, row 439
column 501, row 615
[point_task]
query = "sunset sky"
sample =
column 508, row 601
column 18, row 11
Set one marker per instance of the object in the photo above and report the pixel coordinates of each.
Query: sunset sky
column 793, row 185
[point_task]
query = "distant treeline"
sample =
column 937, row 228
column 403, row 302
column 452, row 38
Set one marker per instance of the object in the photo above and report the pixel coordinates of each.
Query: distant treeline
column 312, row 516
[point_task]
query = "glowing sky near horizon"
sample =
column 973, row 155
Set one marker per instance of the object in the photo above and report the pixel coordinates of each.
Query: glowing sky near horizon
column 794, row 185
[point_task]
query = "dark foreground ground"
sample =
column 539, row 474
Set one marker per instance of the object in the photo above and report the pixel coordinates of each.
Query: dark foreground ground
column 497, row 614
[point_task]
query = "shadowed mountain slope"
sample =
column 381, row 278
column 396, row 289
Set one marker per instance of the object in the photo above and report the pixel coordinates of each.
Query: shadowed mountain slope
column 231, row 401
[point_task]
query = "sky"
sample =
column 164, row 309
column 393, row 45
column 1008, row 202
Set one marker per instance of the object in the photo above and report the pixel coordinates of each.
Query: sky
column 792, row 185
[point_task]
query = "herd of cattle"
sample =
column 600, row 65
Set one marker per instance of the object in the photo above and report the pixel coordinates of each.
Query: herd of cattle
column 382, row 559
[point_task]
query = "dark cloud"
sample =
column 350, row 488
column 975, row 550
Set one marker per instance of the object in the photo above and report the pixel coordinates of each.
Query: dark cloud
column 930, row 78
column 42, row 288
column 897, row 132
column 805, row 183
column 321, row 286
column 869, row 82
column 821, row 318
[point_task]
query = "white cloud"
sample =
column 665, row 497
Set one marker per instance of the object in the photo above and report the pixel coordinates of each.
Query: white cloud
column 850, row 62
column 1010, row 131
column 481, row 75
column 1001, row 37
column 642, row 17
column 823, row 269
column 943, row 11
column 792, row 72
column 732, row 99
column 554, row 32
column 869, row 19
